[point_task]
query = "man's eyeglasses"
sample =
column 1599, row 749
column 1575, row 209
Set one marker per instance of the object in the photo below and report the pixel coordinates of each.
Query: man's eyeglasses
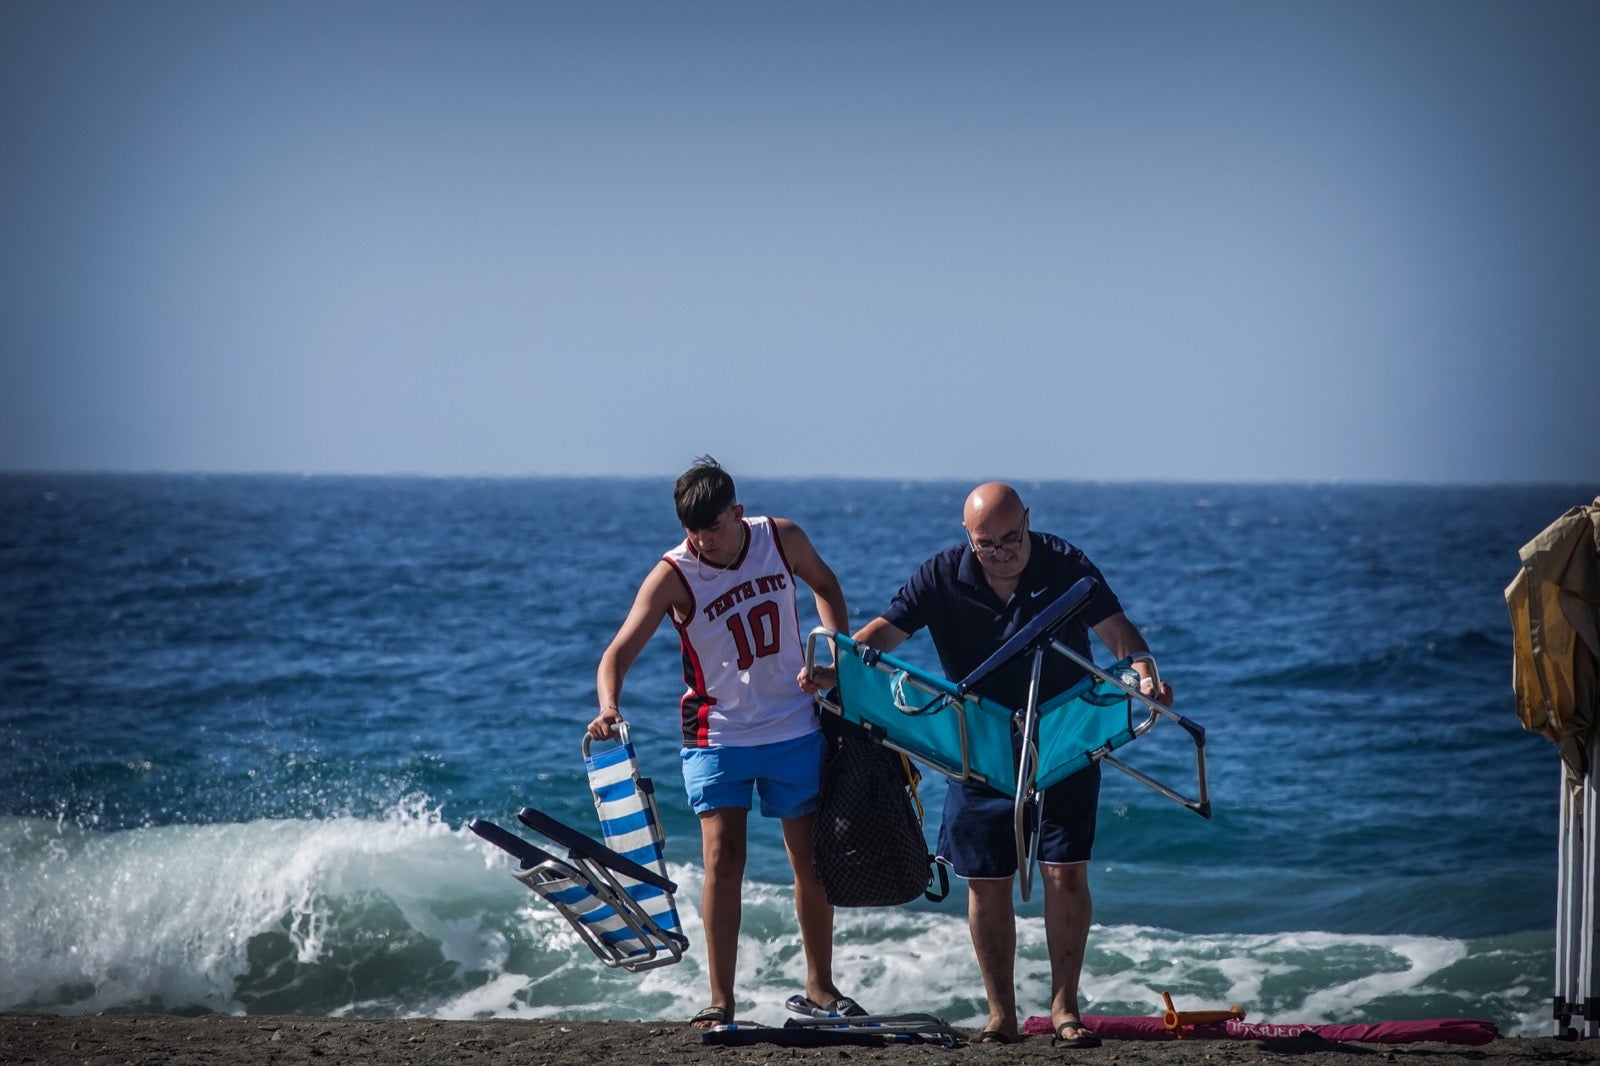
column 985, row 548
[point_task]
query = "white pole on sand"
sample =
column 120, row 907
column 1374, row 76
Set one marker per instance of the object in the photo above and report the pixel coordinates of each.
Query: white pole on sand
column 1568, row 855
column 1590, row 1002
column 1577, row 956
column 1579, row 906
column 1577, row 895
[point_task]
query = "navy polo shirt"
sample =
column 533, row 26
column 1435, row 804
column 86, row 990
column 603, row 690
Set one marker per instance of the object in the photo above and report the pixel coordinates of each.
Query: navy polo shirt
column 950, row 597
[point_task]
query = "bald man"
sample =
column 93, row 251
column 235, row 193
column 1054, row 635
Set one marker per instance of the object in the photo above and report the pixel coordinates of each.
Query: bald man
column 971, row 598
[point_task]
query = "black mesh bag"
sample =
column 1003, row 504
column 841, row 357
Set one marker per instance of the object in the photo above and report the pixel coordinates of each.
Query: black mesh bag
column 867, row 837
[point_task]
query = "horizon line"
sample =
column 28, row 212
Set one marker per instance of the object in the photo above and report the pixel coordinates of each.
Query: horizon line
column 1395, row 482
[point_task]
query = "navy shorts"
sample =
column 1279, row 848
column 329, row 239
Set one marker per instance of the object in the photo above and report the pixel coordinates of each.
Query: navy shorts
column 977, row 838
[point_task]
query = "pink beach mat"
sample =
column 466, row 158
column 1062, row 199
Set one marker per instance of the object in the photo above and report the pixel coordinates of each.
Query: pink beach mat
column 1443, row 1030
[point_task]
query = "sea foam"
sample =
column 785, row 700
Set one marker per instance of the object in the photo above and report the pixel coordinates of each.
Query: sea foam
column 408, row 915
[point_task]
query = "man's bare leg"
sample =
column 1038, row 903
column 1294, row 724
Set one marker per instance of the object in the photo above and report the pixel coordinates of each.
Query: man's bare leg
column 992, row 921
column 1068, row 908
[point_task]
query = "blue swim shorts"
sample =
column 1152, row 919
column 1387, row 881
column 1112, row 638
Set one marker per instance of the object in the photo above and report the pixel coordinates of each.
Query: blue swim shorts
column 787, row 775
column 977, row 838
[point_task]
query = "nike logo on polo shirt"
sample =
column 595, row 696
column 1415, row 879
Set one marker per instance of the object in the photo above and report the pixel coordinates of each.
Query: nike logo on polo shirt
column 1035, row 594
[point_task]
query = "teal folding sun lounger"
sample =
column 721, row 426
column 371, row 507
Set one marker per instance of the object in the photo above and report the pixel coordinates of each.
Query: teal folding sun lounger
column 1016, row 751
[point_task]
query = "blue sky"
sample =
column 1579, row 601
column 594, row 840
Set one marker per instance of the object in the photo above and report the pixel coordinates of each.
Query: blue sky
column 1109, row 240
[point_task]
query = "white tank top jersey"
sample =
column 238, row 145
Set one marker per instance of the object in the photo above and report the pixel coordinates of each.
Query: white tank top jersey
column 741, row 646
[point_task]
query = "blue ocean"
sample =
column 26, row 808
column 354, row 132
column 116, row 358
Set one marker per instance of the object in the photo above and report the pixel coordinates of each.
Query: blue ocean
column 245, row 719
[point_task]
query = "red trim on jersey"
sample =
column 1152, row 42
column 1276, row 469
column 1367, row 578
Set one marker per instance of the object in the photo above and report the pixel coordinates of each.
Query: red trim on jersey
column 777, row 542
column 687, row 591
column 694, row 709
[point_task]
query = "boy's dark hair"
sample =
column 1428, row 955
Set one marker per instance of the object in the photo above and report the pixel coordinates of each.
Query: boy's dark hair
column 703, row 492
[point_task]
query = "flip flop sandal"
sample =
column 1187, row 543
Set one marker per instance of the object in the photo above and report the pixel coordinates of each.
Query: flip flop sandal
column 843, row 1007
column 1084, row 1038
column 715, row 1015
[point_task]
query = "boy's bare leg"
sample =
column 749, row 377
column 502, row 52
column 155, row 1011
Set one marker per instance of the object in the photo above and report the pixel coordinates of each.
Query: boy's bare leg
column 813, row 910
column 722, row 848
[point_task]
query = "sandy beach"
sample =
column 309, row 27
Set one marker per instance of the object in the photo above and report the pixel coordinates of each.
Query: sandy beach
column 148, row 1039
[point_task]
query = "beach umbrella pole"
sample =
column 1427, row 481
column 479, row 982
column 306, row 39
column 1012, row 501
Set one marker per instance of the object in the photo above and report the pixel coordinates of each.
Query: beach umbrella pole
column 1567, row 857
column 1577, row 954
column 1589, row 1005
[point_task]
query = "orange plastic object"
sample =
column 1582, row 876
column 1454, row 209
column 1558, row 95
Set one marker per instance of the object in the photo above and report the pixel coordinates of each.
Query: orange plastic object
column 1175, row 1020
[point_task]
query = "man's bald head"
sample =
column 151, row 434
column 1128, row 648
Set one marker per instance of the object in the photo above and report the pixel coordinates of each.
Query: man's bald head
column 991, row 503
column 997, row 531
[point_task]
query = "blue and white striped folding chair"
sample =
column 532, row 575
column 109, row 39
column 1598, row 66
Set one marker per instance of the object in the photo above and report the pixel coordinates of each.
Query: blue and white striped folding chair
column 615, row 894
column 625, row 803
column 1019, row 752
